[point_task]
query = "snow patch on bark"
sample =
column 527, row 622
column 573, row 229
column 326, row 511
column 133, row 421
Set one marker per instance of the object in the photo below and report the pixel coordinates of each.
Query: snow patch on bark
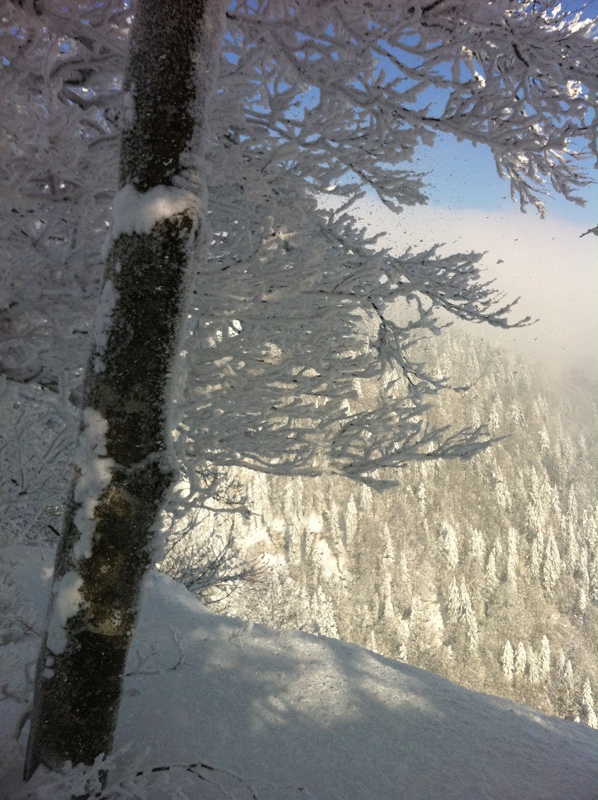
column 67, row 602
column 140, row 212
column 108, row 300
column 95, row 472
column 129, row 107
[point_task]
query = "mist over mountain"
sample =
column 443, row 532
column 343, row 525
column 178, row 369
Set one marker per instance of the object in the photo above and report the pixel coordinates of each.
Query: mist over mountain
column 543, row 261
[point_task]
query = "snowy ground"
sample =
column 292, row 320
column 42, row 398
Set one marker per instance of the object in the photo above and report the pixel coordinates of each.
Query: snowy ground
column 276, row 715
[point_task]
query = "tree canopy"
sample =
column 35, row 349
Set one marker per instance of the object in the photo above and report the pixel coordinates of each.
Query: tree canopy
column 314, row 100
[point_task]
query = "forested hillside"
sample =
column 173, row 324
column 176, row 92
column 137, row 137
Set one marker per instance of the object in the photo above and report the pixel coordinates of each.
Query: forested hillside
column 484, row 571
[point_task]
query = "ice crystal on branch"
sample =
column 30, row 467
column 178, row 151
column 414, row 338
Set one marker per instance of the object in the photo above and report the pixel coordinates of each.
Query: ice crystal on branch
column 296, row 313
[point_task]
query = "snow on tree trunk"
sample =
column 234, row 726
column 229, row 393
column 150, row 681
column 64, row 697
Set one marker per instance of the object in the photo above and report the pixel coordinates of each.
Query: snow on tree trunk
column 123, row 463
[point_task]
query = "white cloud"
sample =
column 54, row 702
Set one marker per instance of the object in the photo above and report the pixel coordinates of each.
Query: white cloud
column 545, row 262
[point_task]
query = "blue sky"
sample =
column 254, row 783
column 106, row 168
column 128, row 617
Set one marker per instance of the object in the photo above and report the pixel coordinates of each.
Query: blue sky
column 464, row 177
column 545, row 262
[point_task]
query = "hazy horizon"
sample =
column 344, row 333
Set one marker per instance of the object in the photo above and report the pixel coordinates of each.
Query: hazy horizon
column 545, row 262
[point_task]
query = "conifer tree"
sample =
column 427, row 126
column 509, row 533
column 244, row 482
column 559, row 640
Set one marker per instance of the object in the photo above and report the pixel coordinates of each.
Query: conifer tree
column 491, row 573
column 534, row 669
column 350, row 522
column 450, row 547
column 469, row 619
column 508, row 661
column 544, row 657
column 587, row 702
column 520, row 662
column 551, row 567
column 512, row 559
column 454, row 601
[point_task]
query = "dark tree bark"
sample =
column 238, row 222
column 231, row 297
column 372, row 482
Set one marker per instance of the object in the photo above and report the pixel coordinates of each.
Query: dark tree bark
column 107, row 540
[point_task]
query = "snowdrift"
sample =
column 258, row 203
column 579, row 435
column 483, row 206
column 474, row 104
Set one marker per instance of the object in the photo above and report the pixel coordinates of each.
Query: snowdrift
column 276, row 714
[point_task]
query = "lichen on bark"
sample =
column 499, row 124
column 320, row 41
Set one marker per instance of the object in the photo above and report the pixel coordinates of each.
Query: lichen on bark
column 108, row 536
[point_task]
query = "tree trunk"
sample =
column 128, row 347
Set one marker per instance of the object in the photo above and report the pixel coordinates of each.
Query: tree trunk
column 123, row 464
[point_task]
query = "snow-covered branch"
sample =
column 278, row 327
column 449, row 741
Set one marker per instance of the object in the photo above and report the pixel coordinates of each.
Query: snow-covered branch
column 297, row 307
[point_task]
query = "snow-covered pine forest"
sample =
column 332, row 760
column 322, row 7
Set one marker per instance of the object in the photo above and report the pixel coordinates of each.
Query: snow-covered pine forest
column 484, row 571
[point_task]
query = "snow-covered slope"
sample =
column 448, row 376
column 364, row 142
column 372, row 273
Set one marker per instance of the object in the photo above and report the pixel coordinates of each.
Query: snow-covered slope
column 275, row 715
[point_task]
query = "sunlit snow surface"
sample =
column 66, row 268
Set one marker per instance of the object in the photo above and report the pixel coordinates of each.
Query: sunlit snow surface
column 275, row 715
